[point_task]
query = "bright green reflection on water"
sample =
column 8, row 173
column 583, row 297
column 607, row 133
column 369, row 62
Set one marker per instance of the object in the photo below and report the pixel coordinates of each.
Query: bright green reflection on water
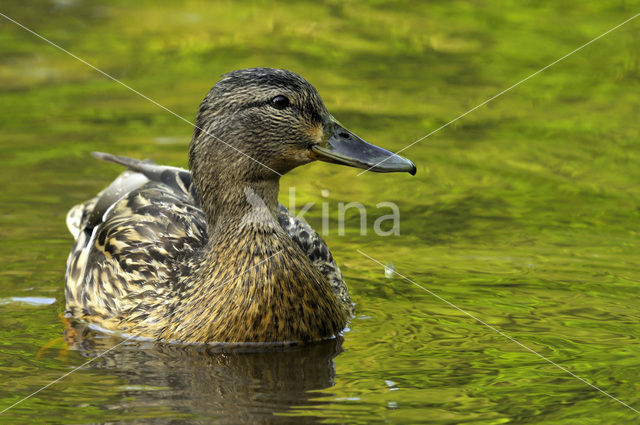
column 524, row 213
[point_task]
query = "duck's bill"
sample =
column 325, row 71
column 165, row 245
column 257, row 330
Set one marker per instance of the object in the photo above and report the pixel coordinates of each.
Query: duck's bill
column 340, row 146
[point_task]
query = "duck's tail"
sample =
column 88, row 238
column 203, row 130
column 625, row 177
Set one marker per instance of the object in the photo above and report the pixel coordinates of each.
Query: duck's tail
column 176, row 178
column 131, row 163
column 147, row 167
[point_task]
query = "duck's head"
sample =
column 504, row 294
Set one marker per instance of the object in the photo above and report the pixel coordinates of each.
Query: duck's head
column 260, row 123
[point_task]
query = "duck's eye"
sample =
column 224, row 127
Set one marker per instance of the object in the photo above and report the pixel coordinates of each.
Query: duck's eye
column 280, row 102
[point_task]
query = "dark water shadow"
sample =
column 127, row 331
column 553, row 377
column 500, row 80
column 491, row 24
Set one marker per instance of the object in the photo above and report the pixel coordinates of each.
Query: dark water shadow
column 439, row 222
column 200, row 384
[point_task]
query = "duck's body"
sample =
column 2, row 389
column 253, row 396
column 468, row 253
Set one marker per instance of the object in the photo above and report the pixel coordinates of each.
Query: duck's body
column 213, row 256
column 142, row 241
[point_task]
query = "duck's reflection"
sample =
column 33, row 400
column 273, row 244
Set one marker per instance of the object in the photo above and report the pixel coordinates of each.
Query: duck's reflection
column 212, row 385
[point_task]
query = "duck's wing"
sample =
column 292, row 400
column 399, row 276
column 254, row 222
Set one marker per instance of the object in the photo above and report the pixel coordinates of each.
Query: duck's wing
column 316, row 249
column 89, row 214
column 132, row 239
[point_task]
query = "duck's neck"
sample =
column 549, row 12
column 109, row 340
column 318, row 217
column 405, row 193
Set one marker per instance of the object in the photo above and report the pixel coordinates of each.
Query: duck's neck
column 229, row 205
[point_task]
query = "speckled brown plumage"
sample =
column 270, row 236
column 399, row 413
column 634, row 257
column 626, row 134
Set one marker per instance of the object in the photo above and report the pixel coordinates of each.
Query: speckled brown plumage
column 210, row 255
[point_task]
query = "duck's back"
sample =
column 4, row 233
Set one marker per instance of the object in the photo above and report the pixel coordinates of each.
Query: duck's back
column 138, row 238
column 132, row 243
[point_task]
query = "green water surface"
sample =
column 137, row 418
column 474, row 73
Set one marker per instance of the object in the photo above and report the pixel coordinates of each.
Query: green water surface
column 524, row 213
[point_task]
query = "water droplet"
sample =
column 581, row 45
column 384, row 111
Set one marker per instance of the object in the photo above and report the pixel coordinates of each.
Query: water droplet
column 389, row 270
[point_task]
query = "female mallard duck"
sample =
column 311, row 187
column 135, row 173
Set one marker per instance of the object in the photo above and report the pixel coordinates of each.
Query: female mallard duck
column 211, row 256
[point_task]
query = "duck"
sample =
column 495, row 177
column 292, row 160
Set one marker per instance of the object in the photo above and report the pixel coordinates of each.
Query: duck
column 209, row 255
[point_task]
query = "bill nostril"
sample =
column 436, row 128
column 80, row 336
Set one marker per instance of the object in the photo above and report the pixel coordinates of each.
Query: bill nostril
column 344, row 135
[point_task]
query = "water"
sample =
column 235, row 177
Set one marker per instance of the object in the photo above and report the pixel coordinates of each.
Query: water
column 523, row 213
